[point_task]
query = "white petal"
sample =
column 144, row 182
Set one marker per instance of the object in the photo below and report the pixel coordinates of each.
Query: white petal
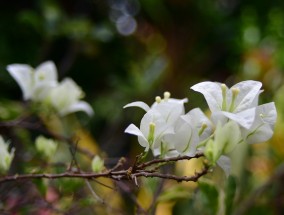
column 212, row 93
column 268, row 112
column 169, row 111
column 23, row 75
column 225, row 163
column 262, row 128
column 46, row 72
column 142, row 105
column 244, row 118
column 196, row 118
column 185, row 139
column 249, row 90
column 73, row 89
column 42, row 90
column 132, row 129
column 261, row 134
column 79, row 106
column 219, row 117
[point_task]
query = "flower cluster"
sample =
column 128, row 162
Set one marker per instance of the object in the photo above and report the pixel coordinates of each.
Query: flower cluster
column 235, row 118
column 41, row 85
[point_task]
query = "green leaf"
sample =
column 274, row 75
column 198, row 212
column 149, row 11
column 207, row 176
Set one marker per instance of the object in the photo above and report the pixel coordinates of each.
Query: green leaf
column 209, row 196
column 174, row 193
column 230, row 194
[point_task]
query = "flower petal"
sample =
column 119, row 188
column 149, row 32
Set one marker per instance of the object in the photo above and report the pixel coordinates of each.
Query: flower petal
column 46, row 72
column 132, row 129
column 79, row 106
column 249, row 90
column 244, row 118
column 259, row 135
column 23, row 75
column 185, row 139
column 196, row 118
column 142, row 105
column 225, row 163
column 212, row 93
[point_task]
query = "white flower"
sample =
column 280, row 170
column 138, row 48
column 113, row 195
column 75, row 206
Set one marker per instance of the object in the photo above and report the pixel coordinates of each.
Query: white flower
column 168, row 107
column 161, row 119
column 6, row 157
column 239, row 97
column 65, row 98
column 237, row 103
column 34, row 83
column 189, row 130
column 152, row 128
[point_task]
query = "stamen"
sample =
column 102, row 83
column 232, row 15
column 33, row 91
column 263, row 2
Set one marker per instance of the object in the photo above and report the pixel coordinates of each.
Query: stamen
column 158, row 99
column 151, row 135
column 202, row 129
column 224, row 95
column 235, row 93
column 167, row 95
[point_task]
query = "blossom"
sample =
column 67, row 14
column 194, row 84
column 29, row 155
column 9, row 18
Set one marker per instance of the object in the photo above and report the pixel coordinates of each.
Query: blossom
column 159, row 121
column 34, row 83
column 6, row 157
column 237, row 103
column 239, row 97
column 240, row 104
column 152, row 128
column 66, row 98
column 41, row 85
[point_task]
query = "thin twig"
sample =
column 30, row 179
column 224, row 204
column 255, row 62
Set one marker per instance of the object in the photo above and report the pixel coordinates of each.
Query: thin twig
column 167, row 160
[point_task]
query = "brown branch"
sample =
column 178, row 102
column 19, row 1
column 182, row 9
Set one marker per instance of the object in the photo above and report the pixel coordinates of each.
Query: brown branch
column 115, row 175
column 167, row 160
column 194, row 178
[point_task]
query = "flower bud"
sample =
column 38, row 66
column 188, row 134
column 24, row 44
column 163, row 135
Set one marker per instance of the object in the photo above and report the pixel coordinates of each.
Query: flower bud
column 46, row 146
column 97, row 164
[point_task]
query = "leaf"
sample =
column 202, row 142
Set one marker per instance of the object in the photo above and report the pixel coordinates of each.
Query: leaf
column 230, row 194
column 174, row 193
column 210, row 196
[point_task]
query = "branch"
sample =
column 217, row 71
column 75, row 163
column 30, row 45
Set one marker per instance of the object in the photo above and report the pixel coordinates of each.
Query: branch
column 126, row 174
column 167, row 160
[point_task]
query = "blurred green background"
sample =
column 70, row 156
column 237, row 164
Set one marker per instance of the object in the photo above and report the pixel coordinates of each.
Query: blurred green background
column 121, row 51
